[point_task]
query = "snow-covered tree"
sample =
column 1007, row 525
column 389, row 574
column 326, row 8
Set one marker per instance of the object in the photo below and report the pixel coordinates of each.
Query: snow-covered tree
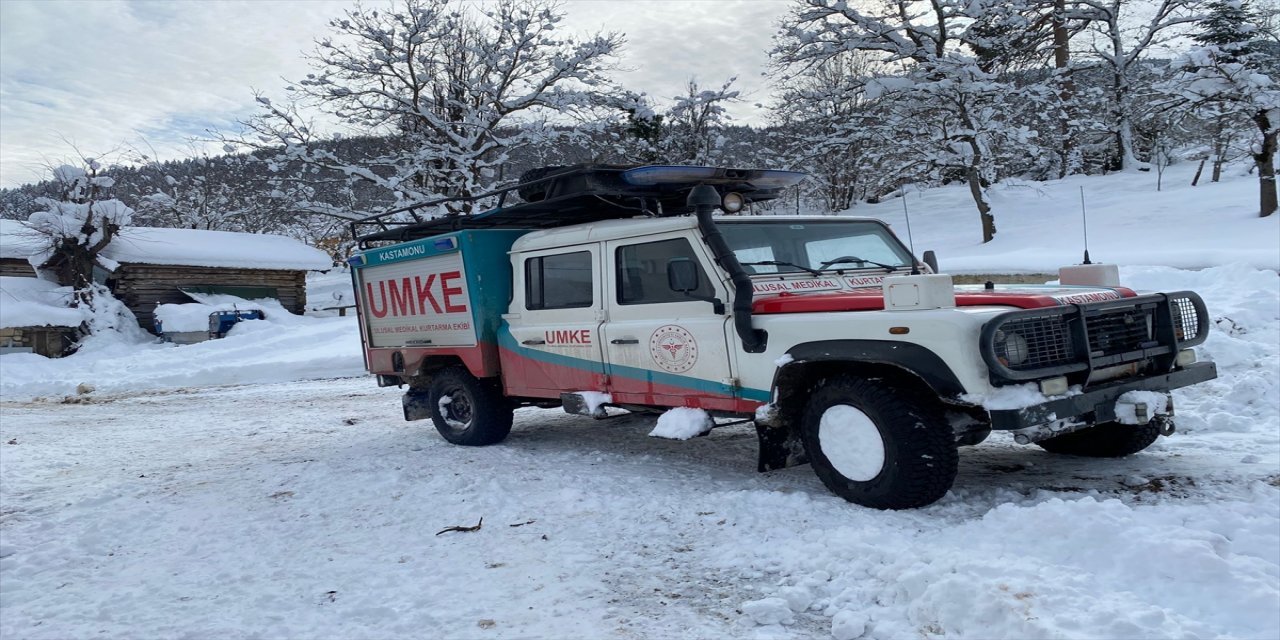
column 1230, row 25
column 457, row 85
column 222, row 194
column 938, row 92
column 696, row 122
column 1121, row 40
column 1025, row 37
column 690, row 130
column 824, row 126
column 78, row 225
column 1225, row 76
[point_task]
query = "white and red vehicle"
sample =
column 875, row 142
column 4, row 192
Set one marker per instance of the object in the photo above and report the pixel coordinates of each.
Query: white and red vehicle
column 619, row 286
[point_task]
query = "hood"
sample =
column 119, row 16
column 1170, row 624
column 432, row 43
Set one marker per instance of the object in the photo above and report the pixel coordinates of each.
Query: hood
column 872, row 298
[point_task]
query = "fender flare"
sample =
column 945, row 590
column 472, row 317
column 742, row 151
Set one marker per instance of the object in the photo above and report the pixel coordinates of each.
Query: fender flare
column 907, row 356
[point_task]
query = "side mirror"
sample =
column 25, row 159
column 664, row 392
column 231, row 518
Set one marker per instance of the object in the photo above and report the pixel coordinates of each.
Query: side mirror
column 682, row 275
column 931, row 259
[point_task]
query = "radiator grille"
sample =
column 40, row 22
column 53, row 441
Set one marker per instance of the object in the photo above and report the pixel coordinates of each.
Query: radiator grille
column 1121, row 331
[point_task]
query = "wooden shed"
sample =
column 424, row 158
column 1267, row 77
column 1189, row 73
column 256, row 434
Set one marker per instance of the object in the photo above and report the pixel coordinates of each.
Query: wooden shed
column 154, row 266
column 150, row 266
column 35, row 317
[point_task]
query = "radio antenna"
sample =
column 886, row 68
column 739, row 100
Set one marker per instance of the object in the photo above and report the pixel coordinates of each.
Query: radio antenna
column 915, row 264
column 1084, row 218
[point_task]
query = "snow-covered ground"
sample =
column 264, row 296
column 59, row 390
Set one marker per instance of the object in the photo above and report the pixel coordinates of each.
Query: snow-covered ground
column 1039, row 227
column 261, row 486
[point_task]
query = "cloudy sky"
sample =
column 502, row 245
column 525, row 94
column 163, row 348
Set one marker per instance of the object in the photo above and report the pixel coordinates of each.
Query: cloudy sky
column 108, row 75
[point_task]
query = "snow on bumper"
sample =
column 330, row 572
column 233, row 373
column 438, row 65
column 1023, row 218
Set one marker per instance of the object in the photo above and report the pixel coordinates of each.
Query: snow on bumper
column 1098, row 405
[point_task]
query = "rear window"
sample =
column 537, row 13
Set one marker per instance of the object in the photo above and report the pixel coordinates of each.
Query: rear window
column 562, row 281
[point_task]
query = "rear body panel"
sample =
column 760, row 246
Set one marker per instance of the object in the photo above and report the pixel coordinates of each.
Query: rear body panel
column 440, row 296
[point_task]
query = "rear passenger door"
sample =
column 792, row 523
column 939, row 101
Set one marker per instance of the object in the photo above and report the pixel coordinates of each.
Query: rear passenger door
column 661, row 346
column 555, row 323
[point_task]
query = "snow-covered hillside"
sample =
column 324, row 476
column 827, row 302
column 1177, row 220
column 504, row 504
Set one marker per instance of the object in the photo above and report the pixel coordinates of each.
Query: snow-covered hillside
column 262, row 486
column 1039, row 227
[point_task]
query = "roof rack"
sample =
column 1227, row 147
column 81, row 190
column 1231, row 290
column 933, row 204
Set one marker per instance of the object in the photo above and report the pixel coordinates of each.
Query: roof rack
column 559, row 196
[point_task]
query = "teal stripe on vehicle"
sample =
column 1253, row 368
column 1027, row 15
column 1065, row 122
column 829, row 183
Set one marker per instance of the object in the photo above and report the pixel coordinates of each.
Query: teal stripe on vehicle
column 508, row 341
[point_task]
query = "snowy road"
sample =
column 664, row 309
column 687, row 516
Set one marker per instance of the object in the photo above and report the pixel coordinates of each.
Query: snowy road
column 310, row 510
column 296, row 508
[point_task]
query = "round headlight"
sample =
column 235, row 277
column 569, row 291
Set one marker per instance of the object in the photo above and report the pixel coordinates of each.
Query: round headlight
column 732, row 202
column 1014, row 347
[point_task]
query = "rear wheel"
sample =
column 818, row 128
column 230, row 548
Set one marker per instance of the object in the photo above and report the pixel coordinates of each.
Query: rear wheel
column 467, row 410
column 1106, row 440
column 874, row 446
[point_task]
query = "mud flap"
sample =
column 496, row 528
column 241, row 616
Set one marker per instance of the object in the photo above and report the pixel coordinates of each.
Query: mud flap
column 417, row 405
column 780, row 447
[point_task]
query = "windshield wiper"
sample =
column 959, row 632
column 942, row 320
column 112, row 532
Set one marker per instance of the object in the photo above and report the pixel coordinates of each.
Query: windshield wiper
column 779, row 263
column 852, row 259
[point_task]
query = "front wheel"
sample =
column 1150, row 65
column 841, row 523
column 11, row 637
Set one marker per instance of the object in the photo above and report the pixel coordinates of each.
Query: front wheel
column 873, row 445
column 1106, row 440
column 468, row 410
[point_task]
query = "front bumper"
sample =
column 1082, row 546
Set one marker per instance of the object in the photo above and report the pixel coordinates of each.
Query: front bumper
column 1097, row 405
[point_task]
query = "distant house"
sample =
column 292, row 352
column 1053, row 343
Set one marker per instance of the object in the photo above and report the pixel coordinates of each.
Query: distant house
column 154, row 266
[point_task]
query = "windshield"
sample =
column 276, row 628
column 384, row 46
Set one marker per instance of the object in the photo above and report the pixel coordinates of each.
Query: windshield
column 813, row 245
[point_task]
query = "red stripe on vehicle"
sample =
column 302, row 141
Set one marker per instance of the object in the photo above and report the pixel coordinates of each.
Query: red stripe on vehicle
column 873, row 300
column 528, row 377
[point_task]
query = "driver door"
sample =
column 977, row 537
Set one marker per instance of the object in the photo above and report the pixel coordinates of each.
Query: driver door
column 661, row 346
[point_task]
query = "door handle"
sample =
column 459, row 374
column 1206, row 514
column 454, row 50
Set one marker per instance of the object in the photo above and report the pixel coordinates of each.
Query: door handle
column 624, row 341
column 533, row 342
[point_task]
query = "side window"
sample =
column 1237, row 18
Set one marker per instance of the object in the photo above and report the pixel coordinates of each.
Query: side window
column 642, row 272
column 561, row 281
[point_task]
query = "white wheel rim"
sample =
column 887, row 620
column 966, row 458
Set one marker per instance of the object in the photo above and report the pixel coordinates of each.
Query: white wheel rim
column 851, row 443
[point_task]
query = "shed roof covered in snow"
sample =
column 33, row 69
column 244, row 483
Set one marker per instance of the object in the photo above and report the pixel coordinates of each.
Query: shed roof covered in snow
column 17, row 241
column 185, row 247
column 32, row 302
column 200, row 248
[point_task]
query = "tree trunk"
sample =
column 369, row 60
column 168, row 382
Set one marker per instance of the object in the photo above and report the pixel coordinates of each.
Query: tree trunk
column 1199, row 169
column 1062, row 63
column 1219, row 149
column 975, row 189
column 1266, row 161
column 1128, row 160
column 72, row 263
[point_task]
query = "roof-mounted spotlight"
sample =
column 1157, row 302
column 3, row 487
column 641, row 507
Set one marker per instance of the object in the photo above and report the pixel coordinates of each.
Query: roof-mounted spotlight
column 732, row 202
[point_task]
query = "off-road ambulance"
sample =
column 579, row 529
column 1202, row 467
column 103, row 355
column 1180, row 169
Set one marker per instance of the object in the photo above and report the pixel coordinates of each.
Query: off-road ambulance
column 592, row 287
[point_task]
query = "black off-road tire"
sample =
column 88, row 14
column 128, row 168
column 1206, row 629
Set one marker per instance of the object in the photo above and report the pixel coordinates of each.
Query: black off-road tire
column 920, row 456
column 537, row 192
column 1106, row 440
column 476, row 414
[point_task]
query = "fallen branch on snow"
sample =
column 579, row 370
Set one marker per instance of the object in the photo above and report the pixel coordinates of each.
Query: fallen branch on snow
column 462, row 529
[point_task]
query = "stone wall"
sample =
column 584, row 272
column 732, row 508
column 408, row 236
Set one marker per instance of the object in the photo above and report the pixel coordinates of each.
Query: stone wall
column 51, row 342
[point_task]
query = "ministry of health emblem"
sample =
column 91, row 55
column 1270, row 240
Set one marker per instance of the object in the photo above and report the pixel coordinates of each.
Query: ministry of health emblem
column 673, row 348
